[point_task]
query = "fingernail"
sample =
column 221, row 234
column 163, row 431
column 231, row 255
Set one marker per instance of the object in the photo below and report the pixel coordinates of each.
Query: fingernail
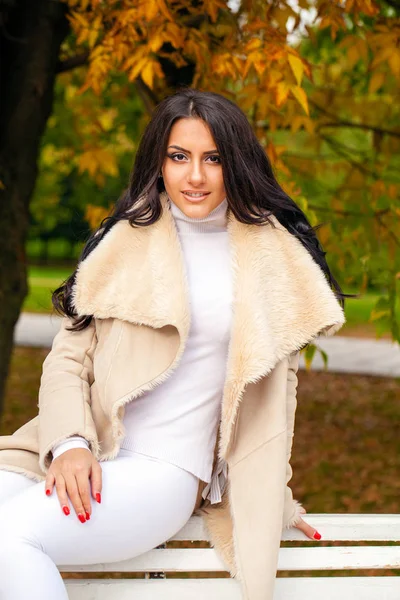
column 82, row 518
column 48, row 492
column 98, row 497
column 317, row 536
column 66, row 510
column 87, row 516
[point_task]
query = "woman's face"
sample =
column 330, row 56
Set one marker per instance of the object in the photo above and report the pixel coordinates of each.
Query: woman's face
column 191, row 167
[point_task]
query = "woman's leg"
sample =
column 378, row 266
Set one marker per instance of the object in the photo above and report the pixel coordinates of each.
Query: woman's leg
column 144, row 502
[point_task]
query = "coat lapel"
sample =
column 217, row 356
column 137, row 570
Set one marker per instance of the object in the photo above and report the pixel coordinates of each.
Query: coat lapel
column 282, row 300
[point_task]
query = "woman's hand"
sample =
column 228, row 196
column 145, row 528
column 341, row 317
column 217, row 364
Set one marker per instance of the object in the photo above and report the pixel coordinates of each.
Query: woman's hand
column 306, row 528
column 70, row 473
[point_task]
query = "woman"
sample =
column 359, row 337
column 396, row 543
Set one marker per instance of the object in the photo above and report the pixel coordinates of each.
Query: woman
column 209, row 280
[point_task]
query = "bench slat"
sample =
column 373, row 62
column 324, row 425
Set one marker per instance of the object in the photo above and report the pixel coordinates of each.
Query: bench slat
column 290, row 559
column 339, row 557
column 340, row 527
column 328, row 588
column 355, row 527
column 176, row 559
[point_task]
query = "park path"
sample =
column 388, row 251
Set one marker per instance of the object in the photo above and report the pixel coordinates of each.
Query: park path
column 345, row 354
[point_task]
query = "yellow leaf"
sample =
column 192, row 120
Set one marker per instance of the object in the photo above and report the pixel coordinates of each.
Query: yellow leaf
column 86, row 162
column 382, row 56
column 353, row 55
column 150, row 9
column 106, row 119
column 296, row 123
column 80, row 19
column 149, row 71
column 94, row 32
column 253, row 44
column 164, row 10
column 297, row 67
column 259, row 66
column 134, row 72
column 274, row 76
column 98, row 159
column 95, row 214
column 212, row 6
column 282, row 92
column 156, row 42
column 147, row 74
column 107, row 162
column 300, row 96
column 376, row 81
column 394, row 62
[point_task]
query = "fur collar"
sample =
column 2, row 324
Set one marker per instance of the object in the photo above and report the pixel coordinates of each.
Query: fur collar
column 282, row 300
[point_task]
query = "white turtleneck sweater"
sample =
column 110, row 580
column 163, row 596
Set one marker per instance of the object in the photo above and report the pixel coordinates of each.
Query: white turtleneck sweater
column 177, row 421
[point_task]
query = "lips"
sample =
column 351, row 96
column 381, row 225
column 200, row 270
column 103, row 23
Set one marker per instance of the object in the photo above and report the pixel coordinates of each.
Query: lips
column 195, row 198
column 195, row 192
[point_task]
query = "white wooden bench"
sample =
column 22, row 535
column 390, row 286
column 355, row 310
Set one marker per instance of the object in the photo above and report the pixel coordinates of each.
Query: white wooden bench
column 308, row 557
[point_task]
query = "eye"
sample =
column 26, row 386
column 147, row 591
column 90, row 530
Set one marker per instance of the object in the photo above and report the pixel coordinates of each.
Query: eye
column 218, row 161
column 174, row 156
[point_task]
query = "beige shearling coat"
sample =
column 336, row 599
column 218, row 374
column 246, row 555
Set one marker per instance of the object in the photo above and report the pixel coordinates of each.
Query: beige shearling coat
column 134, row 283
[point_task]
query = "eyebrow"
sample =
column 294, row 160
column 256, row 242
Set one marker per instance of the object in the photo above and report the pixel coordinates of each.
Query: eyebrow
column 188, row 151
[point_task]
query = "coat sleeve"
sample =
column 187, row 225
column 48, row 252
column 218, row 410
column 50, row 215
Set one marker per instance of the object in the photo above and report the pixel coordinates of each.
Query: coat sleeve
column 291, row 512
column 64, row 393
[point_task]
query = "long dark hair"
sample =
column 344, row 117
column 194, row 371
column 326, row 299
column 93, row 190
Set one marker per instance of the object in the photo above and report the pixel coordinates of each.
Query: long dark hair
column 252, row 190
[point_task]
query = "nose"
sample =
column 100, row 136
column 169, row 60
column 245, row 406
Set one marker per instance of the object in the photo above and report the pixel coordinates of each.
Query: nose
column 196, row 173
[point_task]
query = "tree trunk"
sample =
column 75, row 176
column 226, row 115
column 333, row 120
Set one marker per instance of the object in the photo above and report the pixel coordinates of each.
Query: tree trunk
column 30, row 38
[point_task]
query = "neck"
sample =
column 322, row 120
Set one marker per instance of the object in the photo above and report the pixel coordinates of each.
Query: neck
column 215, row 221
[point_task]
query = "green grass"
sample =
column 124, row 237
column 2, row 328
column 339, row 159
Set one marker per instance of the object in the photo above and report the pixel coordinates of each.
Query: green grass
column 42, row 282
column 358, row 310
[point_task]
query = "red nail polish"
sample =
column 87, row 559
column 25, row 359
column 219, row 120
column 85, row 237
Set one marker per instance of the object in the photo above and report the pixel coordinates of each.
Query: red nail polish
column 98, row 497
column 87, row 515
column 82, row 518
column 66, row 510
column 317, row 536
column 48, row 492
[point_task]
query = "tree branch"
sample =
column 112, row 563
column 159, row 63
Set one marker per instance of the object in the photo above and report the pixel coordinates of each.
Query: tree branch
column 360, row 126
column 357, row 165
column 147, row 95
column 71, row 63
column 349, row 213
column 344, row 123
column 389, row 231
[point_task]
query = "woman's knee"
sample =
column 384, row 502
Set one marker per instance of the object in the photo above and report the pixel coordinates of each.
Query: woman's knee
column 12, row 483
column 14, row 507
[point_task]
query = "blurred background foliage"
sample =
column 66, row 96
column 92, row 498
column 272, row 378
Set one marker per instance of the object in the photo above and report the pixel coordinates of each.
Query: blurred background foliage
column 317, row 80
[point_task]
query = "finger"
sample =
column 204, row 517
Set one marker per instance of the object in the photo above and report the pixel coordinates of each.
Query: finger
column 82, row 480
column 96, row 478
column 73, row 493
column 49, row 483
column 62, row 494
column 310, row 532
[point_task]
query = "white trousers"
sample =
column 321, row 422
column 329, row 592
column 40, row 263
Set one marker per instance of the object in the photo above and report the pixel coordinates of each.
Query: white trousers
column 145, row 501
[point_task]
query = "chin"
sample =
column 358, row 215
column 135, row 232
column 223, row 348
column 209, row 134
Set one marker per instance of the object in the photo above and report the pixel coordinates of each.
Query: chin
column 198, row 211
